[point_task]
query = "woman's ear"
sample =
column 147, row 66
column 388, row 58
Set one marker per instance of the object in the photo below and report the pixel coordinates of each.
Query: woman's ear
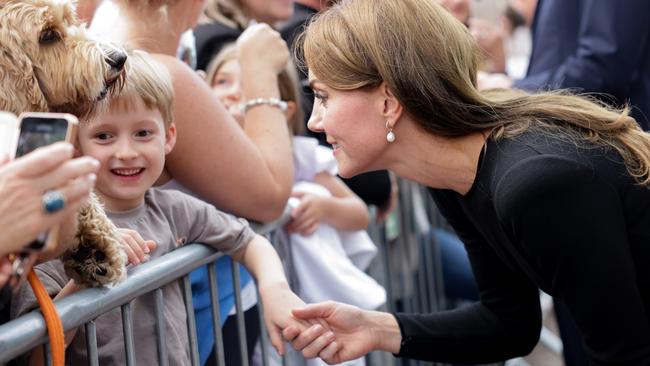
column 170, row 138
column 392, row 108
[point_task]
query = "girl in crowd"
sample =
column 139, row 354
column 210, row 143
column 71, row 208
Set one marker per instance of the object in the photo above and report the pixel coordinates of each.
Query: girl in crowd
column 547, row 191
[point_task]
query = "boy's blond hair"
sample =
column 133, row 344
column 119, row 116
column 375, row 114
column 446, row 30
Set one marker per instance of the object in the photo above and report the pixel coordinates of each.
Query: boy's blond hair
column 149, row 81
column 288, row 84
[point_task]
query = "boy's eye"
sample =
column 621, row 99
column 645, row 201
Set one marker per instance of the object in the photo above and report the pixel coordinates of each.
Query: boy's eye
column 143, row 133
column 103, row 136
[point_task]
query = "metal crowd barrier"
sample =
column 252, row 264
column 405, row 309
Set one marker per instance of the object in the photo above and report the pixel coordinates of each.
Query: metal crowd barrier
column 408, row 265
column 29, row 331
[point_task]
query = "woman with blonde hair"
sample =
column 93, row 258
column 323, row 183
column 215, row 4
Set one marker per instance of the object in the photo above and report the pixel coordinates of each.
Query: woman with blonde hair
column 547, row 191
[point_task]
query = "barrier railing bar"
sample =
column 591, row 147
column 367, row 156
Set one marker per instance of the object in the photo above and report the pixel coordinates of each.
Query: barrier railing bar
column 91, row 343
column 29, row 330
column 160, row 328
column 127, row 327
column 264, row 338
column 216, row 315
column 239, row 313
column 48, row 353
column 191, row 322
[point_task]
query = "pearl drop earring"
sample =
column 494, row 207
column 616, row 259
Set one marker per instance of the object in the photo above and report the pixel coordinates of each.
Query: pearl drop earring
column 390, row 137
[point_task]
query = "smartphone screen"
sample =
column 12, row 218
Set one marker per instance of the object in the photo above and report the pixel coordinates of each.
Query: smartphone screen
column 40, row 131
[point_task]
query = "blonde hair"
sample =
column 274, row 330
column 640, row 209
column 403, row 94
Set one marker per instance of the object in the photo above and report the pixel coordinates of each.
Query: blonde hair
column 287, row 84
column 429, row 61
column 149, row 81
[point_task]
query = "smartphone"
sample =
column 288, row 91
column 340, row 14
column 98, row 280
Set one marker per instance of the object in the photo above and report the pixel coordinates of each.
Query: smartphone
column 8, row 134
column 36, row 130
column 40, row 129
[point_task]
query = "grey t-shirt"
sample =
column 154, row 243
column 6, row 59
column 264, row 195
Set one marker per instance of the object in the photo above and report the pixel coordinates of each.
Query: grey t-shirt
column 171, row 219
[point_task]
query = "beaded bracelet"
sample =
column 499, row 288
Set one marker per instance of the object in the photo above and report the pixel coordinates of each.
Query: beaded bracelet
column 271, row 102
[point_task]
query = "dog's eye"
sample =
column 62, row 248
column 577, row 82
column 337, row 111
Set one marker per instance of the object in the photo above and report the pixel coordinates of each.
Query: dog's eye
column 49, row 36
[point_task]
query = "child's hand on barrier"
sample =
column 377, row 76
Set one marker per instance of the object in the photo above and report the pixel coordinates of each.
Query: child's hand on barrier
column 137, row 249
column 307, row 215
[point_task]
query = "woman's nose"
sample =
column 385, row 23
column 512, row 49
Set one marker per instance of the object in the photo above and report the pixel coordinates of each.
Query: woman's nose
column 315, row 122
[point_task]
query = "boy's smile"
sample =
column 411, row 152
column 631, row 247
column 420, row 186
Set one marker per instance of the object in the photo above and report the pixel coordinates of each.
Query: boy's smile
column 131, row 144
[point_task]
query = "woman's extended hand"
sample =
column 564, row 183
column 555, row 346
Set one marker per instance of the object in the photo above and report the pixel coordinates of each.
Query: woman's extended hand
column 356, row 332
column 23, row 183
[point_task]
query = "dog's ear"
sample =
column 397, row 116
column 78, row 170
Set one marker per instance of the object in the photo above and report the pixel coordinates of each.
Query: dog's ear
column 19, row 88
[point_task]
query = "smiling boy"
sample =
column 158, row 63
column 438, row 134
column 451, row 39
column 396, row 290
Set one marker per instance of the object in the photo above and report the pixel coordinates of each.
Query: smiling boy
column 130, row 140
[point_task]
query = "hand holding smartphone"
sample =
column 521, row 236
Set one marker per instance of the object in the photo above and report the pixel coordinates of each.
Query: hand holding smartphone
column 23, row 135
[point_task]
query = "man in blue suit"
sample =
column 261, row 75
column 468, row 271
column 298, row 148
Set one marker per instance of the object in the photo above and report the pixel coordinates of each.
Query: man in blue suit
column 599, row 46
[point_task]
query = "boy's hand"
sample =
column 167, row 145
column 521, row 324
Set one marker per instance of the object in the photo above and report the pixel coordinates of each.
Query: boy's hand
column 306, row 217
column 136, row 248
column 278, row 300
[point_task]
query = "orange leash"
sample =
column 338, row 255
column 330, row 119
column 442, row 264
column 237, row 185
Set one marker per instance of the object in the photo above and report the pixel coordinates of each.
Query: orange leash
column 52, row 320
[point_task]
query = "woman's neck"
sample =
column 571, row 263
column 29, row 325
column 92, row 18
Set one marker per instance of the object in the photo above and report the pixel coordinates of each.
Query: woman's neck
column 137, row 28
column 439, row 162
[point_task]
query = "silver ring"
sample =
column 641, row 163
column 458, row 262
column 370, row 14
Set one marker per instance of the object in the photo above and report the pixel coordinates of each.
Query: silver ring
column 53, row 201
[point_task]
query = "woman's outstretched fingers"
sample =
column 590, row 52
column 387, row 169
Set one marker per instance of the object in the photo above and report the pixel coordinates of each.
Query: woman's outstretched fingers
column 328, row 354
column 314, row 348
column 307, row 336
column 290, row 332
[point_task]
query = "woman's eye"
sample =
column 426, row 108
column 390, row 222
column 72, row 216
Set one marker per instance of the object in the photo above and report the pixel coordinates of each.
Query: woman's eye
column 322, row 97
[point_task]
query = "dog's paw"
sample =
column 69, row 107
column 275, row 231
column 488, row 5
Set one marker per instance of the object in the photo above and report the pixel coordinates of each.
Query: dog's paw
column 96, row 258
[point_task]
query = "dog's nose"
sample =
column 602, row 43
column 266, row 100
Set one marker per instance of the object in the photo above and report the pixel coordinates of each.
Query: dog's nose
column 116, row 59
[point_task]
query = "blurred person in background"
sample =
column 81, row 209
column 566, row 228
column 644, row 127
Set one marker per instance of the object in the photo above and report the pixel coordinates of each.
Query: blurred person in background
column 591, row 46
column 224, row 20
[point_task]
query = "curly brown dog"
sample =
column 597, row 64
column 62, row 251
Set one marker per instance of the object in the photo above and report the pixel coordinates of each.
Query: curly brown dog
column 49, row 64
